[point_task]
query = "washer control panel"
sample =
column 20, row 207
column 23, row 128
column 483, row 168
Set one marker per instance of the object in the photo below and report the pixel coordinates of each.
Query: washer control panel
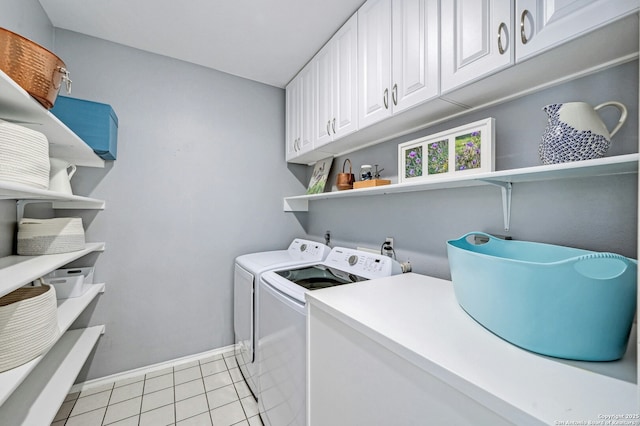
column 361, row 263
column 306, row 250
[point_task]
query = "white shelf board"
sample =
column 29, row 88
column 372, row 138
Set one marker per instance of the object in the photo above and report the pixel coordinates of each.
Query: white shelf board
column 17, row 106
column 39, row 397
column 16, row 191
column 16, row 271
column 68, row 311
column 599, row 167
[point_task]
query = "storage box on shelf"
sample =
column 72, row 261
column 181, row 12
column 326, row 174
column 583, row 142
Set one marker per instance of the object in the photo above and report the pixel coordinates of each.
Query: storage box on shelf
column 96, row 123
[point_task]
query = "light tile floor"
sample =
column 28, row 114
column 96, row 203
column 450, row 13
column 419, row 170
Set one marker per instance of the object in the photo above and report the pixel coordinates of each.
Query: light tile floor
column 206, row 392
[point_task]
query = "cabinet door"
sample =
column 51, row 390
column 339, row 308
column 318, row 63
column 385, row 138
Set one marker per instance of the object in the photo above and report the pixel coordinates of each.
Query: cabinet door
column 415, row 52
column 345, row 74
column 374, row 61
column 293, row 118
column 477, row 39
column 307, row 107
column 323, row 65
column 543, row 24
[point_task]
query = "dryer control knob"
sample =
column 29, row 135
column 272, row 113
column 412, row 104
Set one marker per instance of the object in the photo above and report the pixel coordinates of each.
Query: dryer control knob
column 303, row 247
column 353, row 259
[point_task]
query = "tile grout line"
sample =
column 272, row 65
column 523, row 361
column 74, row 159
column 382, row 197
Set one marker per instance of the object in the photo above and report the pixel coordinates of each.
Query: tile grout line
column 206, row 396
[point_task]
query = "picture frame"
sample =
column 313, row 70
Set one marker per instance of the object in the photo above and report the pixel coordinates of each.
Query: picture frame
column 319, row 176
column 466, row 149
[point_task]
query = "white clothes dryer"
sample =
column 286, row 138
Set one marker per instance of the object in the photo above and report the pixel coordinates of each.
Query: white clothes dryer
column 247, row 272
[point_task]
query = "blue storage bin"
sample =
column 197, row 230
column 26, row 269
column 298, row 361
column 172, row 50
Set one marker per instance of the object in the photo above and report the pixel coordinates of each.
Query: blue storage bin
column 553, row 300
column 93, row 122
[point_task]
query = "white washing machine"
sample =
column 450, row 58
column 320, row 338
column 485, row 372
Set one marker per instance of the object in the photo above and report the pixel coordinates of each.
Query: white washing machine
column 247, row 272
column 282, row 334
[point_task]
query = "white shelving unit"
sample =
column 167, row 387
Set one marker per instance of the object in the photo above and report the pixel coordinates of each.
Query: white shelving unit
column 38, row 399
column 505, row 179
column 16, row 191
column 16, row 105
column 16, row 271
column 32, row 393
column 68, row 311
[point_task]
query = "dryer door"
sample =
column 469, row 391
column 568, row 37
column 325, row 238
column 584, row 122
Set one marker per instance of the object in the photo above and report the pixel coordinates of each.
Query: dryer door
column 243, row 322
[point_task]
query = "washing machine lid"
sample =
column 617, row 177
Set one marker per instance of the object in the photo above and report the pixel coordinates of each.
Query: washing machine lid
column 300, row 251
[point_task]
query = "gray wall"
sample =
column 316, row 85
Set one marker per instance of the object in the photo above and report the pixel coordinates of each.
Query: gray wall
column 199, row 179
column 598, row 213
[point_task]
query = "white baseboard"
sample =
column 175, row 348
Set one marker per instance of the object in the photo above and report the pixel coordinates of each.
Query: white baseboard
column 94, row 383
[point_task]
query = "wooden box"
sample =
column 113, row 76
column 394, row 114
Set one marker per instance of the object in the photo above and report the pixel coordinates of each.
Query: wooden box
column 370, row 183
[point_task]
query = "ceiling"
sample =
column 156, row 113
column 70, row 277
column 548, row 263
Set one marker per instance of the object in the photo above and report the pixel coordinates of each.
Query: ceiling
column 263, row 40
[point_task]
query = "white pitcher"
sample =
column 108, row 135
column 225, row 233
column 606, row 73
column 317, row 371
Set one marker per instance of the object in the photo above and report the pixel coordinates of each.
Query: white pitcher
column 576, row 132
column 60, row 176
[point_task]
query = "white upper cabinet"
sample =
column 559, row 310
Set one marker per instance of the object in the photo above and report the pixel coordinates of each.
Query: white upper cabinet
column 336, row 90
column 300, row 113
column 374, row 60
column 397, row 56
column 415, row 52
column 543, row 24
column 477, row 39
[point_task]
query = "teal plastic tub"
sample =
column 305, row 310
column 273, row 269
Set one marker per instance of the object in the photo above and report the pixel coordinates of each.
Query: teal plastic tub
column 552, row 300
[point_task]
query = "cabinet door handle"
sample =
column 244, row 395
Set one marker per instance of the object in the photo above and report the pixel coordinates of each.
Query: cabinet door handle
column 385, row 98
column 333, row 126
column 328, row 131
column 502, row 27
column 523, row 36
column 394, row 94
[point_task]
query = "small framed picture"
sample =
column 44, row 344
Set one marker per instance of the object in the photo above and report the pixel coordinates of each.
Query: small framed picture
column 319, row 177
column 464, row 150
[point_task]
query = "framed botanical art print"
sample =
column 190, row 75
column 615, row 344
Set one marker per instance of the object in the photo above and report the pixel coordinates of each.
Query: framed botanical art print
column 319, row 176
column 464, row 150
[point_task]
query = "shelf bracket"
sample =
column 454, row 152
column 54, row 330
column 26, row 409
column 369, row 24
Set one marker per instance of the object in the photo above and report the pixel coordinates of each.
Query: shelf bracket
column 21, row 204
column 506, row 188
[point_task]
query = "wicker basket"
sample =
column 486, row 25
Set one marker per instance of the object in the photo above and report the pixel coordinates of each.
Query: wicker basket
column 28, row 325
column 34, row 68
column 50, row 236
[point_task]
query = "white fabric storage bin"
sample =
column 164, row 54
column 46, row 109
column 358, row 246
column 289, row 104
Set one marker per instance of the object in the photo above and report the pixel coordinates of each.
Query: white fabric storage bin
column 28, row 325
column 50, row 236
column 24, row 156
column 70, row 282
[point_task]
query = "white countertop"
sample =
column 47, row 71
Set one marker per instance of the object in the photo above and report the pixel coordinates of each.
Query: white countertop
column 418, row 318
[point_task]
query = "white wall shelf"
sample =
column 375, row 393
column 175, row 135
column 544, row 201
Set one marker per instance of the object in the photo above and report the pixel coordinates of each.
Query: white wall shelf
column 39, row 397
column 16, row 271
column 17, row 106
column 68, row 311
column 16, row 191
column 505, row 179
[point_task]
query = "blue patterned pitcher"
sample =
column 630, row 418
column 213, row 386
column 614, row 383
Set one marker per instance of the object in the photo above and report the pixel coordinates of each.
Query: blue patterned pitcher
column 576, row 132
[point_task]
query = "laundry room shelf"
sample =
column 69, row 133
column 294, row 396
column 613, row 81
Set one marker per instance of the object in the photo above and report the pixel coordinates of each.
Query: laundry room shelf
column 17, row 106
column 37, row 400
column 68, row 311
column 621, row 164
column 16, row 271
column 16, row 191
